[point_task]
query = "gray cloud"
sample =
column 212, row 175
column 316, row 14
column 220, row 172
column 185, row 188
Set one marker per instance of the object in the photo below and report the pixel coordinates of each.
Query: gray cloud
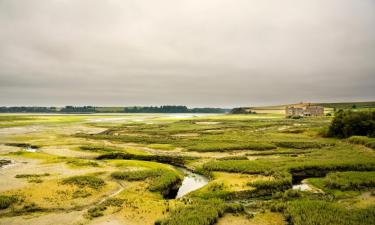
column 198, row 53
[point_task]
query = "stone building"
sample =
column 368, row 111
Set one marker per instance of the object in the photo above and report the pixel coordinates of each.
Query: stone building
column 304, row 110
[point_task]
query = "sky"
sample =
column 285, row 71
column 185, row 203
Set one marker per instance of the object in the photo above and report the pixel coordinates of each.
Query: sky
column 216, row 53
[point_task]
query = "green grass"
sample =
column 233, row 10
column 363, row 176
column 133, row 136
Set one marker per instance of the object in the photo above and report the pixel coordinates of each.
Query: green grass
column 362, row 140
column 307, row 212
column 162, row 180
column 350, row 180
column 300, row 144
column 161, row 146
column 197, row 213
column 169, row 159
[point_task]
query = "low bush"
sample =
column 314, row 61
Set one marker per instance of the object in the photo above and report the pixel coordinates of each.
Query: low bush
column 22, row 145
column 233, row 158
column 6, row 201
column 98, row 210
column 85, row 181
column 31, row 175
column 4, row 162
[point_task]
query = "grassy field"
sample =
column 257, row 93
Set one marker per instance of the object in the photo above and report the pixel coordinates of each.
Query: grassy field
column 127, row 168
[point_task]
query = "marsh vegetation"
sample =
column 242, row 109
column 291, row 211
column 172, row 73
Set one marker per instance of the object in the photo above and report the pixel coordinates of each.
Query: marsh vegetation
column 127, row 168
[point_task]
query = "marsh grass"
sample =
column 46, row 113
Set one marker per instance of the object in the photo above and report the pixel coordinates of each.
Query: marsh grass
column 169, row 159
column 85, row 181
column 96, row 148
column 362, row 140
column 301, row 144
column 200, row 212
column 98, row 210
column 350, row 180
column 161, row 180
column 32, row 175
column 225, row 146
column 308, row 212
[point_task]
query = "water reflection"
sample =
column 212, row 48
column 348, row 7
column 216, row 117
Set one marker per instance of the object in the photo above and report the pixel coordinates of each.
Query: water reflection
column 191, row 182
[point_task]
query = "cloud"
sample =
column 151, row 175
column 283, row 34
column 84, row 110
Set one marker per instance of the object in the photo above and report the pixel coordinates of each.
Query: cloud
column 198, row 53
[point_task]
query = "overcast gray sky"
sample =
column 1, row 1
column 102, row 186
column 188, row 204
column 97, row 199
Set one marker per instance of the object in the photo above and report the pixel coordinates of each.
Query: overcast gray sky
column 191, row 52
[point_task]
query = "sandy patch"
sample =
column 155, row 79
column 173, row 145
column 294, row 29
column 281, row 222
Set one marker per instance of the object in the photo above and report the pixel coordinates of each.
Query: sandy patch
column 207, row 123
column 108, row 220
column 64, row 151
column 259, row 219
column 186, row 135
column 19, row 130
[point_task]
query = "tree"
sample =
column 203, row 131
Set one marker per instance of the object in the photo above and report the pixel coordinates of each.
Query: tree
column 349, row 123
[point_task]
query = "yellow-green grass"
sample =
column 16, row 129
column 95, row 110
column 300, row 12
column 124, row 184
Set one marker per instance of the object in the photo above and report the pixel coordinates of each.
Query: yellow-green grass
column 54, row 194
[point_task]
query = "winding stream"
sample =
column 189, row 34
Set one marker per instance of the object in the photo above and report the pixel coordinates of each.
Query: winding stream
column 191, row 182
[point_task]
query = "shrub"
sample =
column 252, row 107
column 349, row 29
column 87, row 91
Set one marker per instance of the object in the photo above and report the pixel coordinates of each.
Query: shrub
column 32, row 207
column 31, row 175
column 85, row 181
column 6, row 201
column 349, row 123
column 98, row 210
column 233, row 158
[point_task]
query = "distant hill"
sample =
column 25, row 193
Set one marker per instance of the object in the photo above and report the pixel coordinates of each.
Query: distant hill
column 328, row 107
column 347, row 105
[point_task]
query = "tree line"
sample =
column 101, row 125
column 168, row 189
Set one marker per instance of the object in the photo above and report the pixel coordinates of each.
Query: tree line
column 93, row 109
